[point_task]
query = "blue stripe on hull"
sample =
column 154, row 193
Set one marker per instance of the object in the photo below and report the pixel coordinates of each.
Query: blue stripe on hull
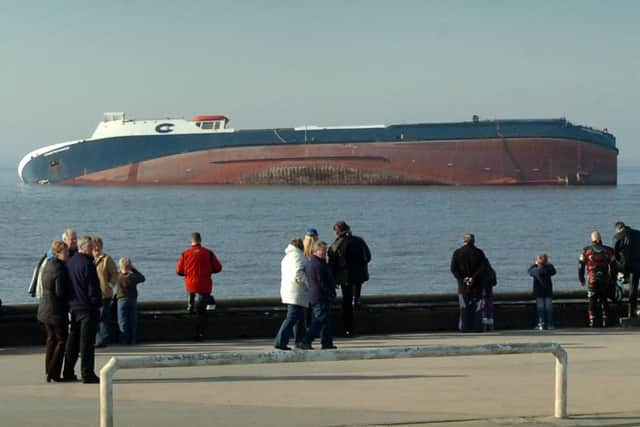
column 96, row 155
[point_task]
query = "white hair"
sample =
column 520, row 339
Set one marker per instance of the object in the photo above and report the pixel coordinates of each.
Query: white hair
column 66, row 234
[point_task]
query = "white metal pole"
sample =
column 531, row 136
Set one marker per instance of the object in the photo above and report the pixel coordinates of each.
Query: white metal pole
column 106, row 392
column 562, row 362
column 233, row 358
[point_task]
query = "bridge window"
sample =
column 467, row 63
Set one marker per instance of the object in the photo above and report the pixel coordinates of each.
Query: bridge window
column 207, row 125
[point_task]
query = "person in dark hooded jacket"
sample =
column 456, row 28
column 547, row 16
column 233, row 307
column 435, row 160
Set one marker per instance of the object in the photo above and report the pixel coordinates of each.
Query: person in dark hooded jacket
column 626, row 246
column 53, row 309
column 349, row 257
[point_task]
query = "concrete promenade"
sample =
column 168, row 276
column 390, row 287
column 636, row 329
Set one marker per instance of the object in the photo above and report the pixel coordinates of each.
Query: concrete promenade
column 603, row 386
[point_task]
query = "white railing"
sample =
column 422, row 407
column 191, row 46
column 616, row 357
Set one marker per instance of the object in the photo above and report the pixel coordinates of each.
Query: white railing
column 232, row 358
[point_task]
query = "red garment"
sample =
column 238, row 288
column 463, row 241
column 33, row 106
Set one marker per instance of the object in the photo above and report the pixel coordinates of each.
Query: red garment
column 197, row 264
column 599, row 262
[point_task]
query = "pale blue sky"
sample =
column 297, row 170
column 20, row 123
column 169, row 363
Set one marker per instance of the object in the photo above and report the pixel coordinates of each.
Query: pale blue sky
column 288, row 63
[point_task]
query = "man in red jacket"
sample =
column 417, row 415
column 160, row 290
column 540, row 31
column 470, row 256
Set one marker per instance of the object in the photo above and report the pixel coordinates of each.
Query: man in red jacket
column 197, row 264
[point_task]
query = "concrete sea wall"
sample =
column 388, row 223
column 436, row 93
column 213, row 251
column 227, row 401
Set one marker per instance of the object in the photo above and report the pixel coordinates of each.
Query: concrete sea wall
column 260, row 318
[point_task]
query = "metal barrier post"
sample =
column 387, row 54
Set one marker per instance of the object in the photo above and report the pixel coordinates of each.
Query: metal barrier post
column 561, row 382
column 233, row 358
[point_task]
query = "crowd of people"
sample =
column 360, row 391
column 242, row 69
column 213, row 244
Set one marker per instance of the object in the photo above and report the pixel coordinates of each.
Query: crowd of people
column 599, row 268
column 75, row 282
column 311, row 271
column 79, row 285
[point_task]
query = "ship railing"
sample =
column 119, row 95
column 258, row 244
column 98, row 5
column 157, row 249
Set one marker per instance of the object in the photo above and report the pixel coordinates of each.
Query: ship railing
column 234, row 358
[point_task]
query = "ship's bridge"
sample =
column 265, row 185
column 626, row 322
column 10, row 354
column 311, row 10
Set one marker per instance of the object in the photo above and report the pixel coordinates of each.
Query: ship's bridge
column 116, row 125
column 215, row 122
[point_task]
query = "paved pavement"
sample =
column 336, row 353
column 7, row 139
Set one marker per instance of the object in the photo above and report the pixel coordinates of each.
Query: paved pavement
column 473, row 391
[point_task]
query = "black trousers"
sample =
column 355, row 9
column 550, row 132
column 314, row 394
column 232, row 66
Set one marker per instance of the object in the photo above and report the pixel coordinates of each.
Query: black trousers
column 350, row 297
column 633, row 294
column 54, row 353
column 470, row 319
column 82, row 336
column 197, row 304
column 598, row 304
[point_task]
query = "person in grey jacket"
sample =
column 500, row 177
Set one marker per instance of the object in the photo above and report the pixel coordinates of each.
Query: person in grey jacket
column 53, row 309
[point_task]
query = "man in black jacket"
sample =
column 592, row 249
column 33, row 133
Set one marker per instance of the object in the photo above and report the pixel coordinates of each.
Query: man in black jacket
column 467, row 266
column 349, row 256
column 84, row 304
column 626, row 246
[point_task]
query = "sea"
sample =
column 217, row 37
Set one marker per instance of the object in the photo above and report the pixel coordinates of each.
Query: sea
column 411, row 230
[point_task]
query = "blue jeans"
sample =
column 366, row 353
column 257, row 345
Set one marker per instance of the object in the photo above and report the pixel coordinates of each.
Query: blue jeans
column 320, row 325
column 128, row 320
column 544, row 308
column 292, row 324
column 104, row 324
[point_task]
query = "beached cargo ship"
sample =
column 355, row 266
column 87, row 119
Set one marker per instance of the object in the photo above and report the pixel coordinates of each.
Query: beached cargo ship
column 205, row 151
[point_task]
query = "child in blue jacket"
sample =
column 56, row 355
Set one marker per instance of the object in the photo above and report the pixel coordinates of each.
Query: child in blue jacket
column 541, row 272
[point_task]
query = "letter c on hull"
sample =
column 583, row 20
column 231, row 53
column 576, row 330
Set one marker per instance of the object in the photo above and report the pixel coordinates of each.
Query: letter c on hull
column 164, row 128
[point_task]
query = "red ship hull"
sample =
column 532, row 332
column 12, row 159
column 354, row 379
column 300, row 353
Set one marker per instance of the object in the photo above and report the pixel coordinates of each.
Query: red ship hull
column 499, row 161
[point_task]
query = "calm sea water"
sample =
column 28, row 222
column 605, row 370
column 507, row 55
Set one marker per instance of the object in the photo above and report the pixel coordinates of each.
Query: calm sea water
column 411, row 230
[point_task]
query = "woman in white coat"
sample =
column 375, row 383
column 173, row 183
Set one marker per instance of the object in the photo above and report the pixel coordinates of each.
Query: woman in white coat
column 294, row 293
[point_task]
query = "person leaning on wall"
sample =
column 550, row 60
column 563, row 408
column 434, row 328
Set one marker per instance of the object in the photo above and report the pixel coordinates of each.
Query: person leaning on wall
column 197, row 264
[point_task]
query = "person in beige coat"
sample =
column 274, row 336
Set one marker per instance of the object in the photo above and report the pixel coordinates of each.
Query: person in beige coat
column 108, row 276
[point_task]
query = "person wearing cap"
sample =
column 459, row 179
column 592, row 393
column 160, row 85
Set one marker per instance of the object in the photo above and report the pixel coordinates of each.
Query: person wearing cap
column 310, row 236
column 349, row 256
column 196, row 264
column 626, row 246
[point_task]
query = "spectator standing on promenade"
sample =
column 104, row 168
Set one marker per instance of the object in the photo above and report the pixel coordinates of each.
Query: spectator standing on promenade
column 310, row 236
column 599, row 262
column 53, row 309
column 108, row 276
column 626, row 244
column 322, row 293
column 70, row 239
column 349, row 256
column 468, row 267
column 84, row 303
column 489, row 281
column 541, row 272
column 127, row 296
column 197, row 264
column 294, row 293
